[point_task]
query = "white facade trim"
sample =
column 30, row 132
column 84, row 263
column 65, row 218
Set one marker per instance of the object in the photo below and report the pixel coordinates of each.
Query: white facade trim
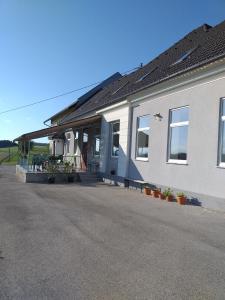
column 142, row 158
column 177, row 161
column 111, row 107
column 179, row 124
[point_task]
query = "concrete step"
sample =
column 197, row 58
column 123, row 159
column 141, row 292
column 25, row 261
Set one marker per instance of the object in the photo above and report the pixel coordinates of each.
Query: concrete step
column 89, row 177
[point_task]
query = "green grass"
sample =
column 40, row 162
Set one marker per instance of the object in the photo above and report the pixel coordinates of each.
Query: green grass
column 14, row 155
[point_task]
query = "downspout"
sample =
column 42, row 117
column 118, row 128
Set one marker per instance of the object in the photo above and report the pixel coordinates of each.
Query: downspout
column 129, row 139
column 46, row 124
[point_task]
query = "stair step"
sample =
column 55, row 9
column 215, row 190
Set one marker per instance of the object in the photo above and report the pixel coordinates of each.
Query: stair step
column 89, row 177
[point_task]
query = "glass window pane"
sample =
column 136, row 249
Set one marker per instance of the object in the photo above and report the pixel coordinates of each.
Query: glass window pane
column 116, row 127
column 75, row 146
column 85, row 137
column 180, row 115
column 223, row 107
column 223, row 143
column 144, row 121
column 76, row 135
column 115, row 145
column 142, row 143
column 68, row 146
column 97, row 145
column 178, row 143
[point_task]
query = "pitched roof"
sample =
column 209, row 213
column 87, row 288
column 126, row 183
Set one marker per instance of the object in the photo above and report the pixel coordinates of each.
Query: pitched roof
column 199, row 47
column 82, row 99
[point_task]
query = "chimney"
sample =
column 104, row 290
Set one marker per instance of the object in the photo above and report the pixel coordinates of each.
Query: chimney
column 206, row 27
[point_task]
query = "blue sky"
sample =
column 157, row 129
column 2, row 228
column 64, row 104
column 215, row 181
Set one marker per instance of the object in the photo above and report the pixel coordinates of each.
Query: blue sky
column 49, row 47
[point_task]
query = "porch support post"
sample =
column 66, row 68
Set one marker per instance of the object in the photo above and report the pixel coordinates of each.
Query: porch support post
column 28, row 155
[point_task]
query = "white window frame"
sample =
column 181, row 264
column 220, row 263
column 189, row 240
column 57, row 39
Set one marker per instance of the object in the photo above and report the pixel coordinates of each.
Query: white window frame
column 222, row 119
column 76, row 142
column 138, row 130
column 67, row 146
column 95, row 137
column 112, row 134
column 174, row 125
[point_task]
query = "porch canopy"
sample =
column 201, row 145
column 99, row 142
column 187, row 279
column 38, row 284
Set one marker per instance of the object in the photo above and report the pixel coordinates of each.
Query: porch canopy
column 57, row 129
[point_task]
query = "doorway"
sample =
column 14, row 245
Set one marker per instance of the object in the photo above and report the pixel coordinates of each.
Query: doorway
column 84, row 152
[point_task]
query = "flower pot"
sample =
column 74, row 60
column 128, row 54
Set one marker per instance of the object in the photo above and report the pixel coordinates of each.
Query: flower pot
column 169, row 198
column 51, row 179
column 70, row 179
column 161, row 196
column 181, row 200
column 147, row 191
column 155, row 193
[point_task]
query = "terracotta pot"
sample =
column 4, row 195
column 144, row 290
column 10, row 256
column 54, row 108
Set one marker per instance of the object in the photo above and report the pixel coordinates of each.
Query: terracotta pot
column 169, row 198
column 161, row 196
column 181, row 200
column 147, row 191
column 155, row 193
column 51, row 179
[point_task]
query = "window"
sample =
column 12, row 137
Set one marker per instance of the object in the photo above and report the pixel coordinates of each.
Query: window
column 76, row 142
column 120, row 88
column 115, row 127
column 85, row 137
column 97, row 142
column 68, row 145
column 178, row 135
column 143, row 126
column 184, row 56
column 222, row 135
column 146, row 75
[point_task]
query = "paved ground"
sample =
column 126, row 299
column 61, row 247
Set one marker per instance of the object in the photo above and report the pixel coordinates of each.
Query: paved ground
column 101, row 242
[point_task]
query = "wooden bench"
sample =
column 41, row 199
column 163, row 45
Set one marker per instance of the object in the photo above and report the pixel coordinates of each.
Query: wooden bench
column 142, row 183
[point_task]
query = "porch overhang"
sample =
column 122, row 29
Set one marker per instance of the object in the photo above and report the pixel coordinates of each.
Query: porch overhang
column 58, row 129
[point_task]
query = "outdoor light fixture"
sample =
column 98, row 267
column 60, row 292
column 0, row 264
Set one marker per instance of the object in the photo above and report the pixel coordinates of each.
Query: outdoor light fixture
column 158, row 117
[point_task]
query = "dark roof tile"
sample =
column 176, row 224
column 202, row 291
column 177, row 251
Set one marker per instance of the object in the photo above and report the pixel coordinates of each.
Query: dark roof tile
column 208, row 44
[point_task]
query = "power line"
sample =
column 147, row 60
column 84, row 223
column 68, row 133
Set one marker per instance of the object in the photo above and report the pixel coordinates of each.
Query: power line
column 58, row 96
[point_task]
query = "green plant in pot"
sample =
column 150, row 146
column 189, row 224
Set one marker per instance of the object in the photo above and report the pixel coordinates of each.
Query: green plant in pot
column 168, row 193
column 68, row 168
column 52, row 169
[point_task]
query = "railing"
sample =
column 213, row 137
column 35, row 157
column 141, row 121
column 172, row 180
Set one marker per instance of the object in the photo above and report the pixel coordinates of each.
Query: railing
column 41, row 162
column 74, row 159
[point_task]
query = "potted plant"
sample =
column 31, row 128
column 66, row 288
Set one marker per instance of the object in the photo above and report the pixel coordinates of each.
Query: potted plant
column 147, row 190
column 68, row 167
column 168, row 193
column 181, row 198
column 155, row 193
column 52, row 169
column 161, row 196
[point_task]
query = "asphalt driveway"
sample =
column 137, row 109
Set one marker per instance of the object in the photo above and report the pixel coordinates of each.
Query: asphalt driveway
column 104, row 242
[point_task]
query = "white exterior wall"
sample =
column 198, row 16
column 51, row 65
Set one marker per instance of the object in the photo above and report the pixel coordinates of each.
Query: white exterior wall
column 117, row 114
column 59, row 143
column 51, row 147
column 201, row 174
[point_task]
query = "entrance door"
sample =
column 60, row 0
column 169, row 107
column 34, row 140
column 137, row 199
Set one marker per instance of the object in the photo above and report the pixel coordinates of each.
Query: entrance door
column 84, row 151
